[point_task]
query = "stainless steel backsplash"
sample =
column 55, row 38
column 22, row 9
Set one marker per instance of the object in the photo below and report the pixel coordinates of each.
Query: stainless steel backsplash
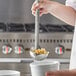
column 20, row 11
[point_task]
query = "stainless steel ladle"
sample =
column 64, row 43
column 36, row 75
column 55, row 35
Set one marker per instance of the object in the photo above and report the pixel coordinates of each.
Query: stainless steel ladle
column 37, row 21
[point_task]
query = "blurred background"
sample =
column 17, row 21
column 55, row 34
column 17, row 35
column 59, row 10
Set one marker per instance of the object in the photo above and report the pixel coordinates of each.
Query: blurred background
column 17, row 28
column 20, row 11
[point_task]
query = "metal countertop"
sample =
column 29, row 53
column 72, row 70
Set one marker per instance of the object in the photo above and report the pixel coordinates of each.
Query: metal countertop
column 29, row 60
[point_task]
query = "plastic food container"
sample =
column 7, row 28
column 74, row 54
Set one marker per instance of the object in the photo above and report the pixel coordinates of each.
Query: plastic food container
column 39, row 68
column 9, row 73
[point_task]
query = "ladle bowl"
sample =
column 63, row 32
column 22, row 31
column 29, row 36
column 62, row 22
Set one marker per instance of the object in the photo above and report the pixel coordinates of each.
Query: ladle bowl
column 38, row 57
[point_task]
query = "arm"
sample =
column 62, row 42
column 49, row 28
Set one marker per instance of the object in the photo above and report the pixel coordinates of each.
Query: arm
column 64, row 13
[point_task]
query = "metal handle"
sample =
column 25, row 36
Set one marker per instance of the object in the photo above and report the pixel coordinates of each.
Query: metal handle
column 37, row 20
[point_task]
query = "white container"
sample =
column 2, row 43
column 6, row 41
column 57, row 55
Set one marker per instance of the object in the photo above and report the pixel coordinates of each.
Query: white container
column 39, row 68
column 9, row 73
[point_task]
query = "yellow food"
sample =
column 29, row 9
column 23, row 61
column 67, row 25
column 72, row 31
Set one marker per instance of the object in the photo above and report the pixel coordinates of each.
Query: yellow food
column 40, row 51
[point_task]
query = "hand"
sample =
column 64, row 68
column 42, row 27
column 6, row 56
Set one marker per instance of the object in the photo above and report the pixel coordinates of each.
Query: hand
column 62, row 73
column 43, row 6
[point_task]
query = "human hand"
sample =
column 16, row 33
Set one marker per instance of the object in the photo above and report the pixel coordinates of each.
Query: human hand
column 62, row 73
column 43, row 6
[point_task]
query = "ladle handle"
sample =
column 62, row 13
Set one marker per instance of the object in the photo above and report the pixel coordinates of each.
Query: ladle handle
column 37, row 20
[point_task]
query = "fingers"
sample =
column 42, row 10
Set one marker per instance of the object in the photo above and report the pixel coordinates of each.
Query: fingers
column 54, row 73
column 39, row 6
column 33, row 5
column 50, row 73
column 40, row 13
column 60, row 73
column 43, row 11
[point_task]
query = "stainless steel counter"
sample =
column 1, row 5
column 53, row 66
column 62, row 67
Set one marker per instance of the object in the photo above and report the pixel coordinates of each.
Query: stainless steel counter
column 22, row 64
column 29, row 60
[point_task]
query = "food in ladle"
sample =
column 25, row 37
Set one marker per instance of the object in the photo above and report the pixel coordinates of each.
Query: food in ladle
column 40, row 51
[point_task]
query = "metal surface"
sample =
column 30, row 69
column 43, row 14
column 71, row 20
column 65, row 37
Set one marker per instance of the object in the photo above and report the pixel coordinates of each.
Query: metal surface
column 21, row 37
column 46, row 40
column 23, row 64
column 19, row 11
column 22, row 67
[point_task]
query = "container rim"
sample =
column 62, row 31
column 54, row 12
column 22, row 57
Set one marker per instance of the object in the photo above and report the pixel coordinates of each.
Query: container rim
column 9, row 72
column 43, row 63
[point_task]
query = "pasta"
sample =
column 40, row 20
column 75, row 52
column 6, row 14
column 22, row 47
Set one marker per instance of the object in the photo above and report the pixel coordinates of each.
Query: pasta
column 40, row 51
